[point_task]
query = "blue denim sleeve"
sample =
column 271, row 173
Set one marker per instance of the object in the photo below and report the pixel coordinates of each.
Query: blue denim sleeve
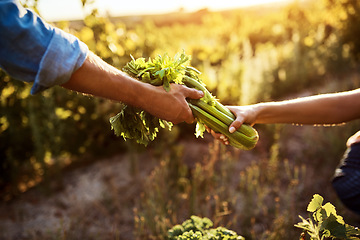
column 32, row 50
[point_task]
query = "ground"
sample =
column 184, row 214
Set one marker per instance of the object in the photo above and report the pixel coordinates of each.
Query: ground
column 81, row 202
column 35, row 214
column 97, row 200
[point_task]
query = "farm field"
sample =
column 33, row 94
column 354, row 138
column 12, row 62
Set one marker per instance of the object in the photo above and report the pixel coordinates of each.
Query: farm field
column 65, row 175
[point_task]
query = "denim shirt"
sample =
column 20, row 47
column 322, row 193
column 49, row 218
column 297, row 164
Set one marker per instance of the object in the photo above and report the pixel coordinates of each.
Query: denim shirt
column 32, row 50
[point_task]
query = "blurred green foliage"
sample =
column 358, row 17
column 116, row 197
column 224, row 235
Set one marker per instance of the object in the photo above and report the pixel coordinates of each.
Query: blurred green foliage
column 346, row 14
column 197, row 228
column 245, row 57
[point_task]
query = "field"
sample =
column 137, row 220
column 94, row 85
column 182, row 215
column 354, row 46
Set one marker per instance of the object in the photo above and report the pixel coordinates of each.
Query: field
column 64, row 175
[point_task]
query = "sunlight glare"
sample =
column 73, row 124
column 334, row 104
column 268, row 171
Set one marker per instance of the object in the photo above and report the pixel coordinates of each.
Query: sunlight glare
column 53, row 10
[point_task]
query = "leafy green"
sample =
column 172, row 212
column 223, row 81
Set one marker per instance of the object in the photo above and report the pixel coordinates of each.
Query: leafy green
column 325, row 222
column 162, row 70
column 197, row 228
column 133, row 123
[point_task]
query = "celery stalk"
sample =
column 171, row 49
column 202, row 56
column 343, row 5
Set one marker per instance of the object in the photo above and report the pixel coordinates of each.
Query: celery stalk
column 244, row 129
column 217, row 110
column 236, row 139
column 134, row 123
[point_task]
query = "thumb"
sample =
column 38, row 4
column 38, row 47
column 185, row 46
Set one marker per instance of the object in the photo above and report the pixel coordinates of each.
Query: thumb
column 193, row 93
column 236, row 124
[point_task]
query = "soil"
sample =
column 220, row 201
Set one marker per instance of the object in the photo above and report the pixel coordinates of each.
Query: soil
column 81, row 193
column 97, row 200
column 83, row 200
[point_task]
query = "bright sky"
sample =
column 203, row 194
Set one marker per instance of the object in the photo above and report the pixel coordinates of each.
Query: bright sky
column 54, row 10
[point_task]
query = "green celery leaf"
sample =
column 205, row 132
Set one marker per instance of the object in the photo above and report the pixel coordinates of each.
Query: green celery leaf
column 199, row 129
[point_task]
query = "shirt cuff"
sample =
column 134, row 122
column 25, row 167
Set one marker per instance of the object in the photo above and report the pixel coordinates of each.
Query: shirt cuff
column 64, row 55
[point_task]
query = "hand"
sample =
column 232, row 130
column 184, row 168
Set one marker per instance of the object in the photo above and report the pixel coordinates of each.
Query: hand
column 218, row 136
column 100, row 79
column 353, row 139
column 243, row 114
column 172, row 106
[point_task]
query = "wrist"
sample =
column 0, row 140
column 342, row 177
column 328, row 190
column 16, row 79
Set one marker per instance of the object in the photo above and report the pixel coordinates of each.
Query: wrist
column 259, row 110
column 134, row 92
column 145, row 95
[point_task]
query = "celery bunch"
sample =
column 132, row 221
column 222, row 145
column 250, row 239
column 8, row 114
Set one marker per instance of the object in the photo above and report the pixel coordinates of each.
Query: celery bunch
column 133, row 123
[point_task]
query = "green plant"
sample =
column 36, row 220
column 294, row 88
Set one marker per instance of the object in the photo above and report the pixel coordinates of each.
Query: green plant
column 325, row 222
column 197, row 228
column 133, row 123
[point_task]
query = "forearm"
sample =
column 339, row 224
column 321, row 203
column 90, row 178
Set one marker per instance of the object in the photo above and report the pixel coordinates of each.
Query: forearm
column 98, row 78
column 321, row 109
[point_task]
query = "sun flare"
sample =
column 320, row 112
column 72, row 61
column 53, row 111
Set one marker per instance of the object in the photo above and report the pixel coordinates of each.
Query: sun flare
column 53, row 10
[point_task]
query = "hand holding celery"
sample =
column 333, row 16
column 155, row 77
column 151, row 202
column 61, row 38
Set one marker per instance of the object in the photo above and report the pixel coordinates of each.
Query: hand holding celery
column 136, row 124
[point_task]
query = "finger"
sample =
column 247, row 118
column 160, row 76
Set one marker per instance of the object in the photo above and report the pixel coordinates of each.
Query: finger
column 208, row 129
column 236, row 124
column 224, row 140
column 219, row 136
column 190, row 119
column 216, row 135
column 193, row 93
column 353, row 139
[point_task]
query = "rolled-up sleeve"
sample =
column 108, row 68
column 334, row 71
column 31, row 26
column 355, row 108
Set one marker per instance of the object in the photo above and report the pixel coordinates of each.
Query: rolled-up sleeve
column 32, row 50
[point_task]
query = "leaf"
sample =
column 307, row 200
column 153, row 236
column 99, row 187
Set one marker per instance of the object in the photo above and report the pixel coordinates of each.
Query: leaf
column 315, row 203
column 352, row 232
column 311, row 228
column 161, row 73
column 330, row 209
column 336, row 229
column 200, row 129
column 132, row 123
column 166, row 85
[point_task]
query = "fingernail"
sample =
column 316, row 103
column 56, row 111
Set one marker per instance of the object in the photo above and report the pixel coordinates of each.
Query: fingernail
column 232, row 129
column 222, row 137
column 226, row 143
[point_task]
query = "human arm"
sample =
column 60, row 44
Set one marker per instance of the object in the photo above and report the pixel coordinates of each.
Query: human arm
column 332, row 108
column 101, row 79
column 32, row 50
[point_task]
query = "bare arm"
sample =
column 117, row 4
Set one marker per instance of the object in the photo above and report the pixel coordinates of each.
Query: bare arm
column 332, row 108
column 98, row 78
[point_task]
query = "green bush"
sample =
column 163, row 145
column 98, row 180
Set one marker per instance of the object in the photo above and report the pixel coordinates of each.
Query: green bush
column 197, row 228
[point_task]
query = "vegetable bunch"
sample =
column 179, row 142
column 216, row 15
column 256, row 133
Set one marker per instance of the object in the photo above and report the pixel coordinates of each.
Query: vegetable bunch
column 134, row 123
